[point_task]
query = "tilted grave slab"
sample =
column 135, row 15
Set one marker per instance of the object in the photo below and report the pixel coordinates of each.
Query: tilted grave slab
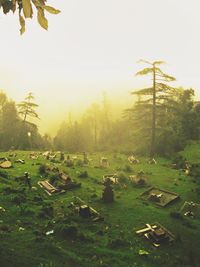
column 157, row 234
column 112, row 177
column 85, row 211
column 49, row 188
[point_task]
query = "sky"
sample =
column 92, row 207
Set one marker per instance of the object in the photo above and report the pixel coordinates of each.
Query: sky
column 93, row 46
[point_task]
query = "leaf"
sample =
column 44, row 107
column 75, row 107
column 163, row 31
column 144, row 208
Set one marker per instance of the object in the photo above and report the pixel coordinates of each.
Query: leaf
column 14, row 2
column 27, row 8
column 41, row 19
column 51, row 10
column 22, row 24
column 7, row 6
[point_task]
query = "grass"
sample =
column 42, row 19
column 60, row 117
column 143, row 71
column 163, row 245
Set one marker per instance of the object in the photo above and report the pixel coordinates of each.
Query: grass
column 30, row 214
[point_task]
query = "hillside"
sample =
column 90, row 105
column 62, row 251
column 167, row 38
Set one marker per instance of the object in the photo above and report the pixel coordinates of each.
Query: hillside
column 41, row 230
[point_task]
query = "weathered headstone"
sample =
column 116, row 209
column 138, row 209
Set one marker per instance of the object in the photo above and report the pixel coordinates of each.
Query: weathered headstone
column 104, row 162
column 108, row 194
column 27, row 180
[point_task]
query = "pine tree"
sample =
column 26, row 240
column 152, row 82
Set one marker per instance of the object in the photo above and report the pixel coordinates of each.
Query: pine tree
column 153, row 99
column 27, row 108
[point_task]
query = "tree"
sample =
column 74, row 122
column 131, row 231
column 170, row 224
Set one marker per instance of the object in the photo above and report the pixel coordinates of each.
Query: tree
column 27, row 108
column 25, row 10
column 94, row 116
column 154, row 96
column 10, row 126
column 29, row 136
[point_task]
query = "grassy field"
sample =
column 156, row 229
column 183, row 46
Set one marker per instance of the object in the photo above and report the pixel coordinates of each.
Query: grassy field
column 79, row 242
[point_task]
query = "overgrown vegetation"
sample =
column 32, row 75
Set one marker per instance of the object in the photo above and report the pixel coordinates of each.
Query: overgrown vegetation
column 57, row 236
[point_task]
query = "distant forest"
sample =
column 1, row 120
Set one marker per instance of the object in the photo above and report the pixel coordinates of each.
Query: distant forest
column 177, row 123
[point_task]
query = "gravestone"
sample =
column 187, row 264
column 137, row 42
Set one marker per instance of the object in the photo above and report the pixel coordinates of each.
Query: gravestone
column 108, row 194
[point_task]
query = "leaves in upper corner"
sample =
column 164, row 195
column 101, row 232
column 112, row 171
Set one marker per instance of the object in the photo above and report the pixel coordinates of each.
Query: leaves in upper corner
column 51, row 10
column 7, row 6
column 27, row 8
column 22, row 24
column 41, row 19
column 14, row 5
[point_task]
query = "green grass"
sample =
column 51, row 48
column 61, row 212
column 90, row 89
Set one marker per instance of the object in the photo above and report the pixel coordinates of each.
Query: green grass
column 109, row 243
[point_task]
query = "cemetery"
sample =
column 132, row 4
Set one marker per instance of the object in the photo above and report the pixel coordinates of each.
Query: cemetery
column 99, row 133
column 69, row 209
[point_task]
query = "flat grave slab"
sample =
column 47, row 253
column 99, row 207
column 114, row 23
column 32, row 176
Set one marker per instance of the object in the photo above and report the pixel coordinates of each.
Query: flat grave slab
column 159, row 196
column 191, row 210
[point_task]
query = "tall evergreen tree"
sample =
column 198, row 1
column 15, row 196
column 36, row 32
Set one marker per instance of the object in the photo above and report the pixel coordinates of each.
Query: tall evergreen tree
column 27, row 108
column 153, row 98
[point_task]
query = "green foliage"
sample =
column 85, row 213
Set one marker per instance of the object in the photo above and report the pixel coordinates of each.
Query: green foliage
column 27, row 107
column 76, row 241
column 83, row 174
column 127, row 168
column 3, row 173
column 122, row 177
column 151, row 104
column 42, row 169
column 25, row 8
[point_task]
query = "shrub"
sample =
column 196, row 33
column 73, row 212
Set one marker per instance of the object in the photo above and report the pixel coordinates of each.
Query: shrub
column 176, row 215
column 42, row 169
column 79, row 163
column 3, row 173
column 67, row 231
column 127, row 168
column 83, row 174
column 122, row 177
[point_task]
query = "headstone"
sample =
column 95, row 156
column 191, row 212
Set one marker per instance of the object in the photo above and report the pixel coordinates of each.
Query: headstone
column 104, row 162
column 62, row 156
column 85, row 158
column 69, row 162
column 84, row 211
column 108, row 194
column 27, row 180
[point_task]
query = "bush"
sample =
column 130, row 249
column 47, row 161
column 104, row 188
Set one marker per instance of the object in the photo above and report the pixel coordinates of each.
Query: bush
column 9, row 190
column 127, row 168
column 42, row 169
column 176, row 215
column 179, row 161
column 122, row 178
column 79, row 163
column 46, row 211
column 195, row 171
column 83, row 174
column 3, row 173
column 19, row 199
column 67, row 231
column 53, row 178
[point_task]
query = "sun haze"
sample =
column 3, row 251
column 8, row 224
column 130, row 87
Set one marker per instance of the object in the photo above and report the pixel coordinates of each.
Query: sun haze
column 93, row 46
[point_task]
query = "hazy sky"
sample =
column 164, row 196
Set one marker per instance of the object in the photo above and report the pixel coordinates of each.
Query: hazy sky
column 94, row 46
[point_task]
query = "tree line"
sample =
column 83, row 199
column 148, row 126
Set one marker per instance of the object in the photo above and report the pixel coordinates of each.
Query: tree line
column 18, row 130
column 161, row 121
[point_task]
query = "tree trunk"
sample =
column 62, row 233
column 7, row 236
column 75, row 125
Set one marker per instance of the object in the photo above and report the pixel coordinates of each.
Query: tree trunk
column 153, row 129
